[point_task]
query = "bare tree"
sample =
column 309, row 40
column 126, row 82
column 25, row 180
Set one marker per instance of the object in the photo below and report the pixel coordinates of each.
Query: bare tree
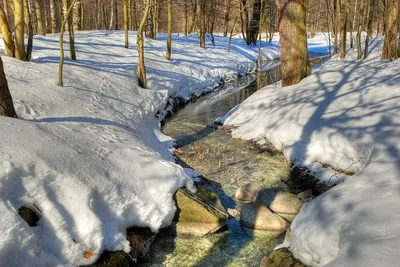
column 391, row 25
column 7, row 35
column 19, row 26
column 141, row 71
column 6, row 102
column 169, row 41
column 293, row 40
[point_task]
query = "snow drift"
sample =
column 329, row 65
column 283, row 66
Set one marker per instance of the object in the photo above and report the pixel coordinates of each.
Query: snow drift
column 345, row 115
column 89, row 157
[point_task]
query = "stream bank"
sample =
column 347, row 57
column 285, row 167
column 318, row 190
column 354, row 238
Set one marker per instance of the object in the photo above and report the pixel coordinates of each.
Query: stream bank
column 223, row 165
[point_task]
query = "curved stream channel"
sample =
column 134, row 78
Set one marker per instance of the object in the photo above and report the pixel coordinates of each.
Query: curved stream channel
column 224, row 164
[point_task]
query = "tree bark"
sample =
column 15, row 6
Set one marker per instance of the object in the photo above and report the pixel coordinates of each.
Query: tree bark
column 77, row 16
column 53, row 15
column 67, row 15
column 39, row 18
column 141, row 71
column 28, row 22
column 254, row 27
column 19, row 29
column 360, row 24
column 186, row 18
column 343, row 27
column 370, row 4
column 390, row 43
column 126, row 23
column 202, row 33
column 169, row 39
column 227, row 16
column 6, row 102
column 293, row 41
column 7, row 35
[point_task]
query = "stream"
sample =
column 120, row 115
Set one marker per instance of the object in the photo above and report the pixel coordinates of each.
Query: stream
column 224, row 164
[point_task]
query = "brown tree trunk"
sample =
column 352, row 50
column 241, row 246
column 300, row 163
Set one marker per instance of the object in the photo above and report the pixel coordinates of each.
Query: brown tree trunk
column 293, row 41
column 67, row 15
column 202, row 33
column 343, row 28
column 360, row 25
column 169, row 41
column 28, row 22
column 227, row 16
column 6, row 102
column 53, row 15
column 254, row 28
column 7, row 35
column 19, row 29
column 71, row 30
column 390, row 44
column 335, row 26
column 186, row 18
column 126, row 23
column 141, row 71
column 39, row 18
column 370, row 4
column 77, row 15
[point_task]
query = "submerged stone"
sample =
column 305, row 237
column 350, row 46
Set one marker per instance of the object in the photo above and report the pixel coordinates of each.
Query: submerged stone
column 248, row 192
column 281, row 258
column 257, row 216
column 306, row 195
column 199, row 213
column 283, row 203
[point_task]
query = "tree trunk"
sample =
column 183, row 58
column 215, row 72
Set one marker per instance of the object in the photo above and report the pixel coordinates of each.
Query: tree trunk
column 293, row 41
column 343, row 28
column 141, row 71
column 53, row 15
column 169, row 41
column 126, row 23
column 227, row 16
column 149, row 29
column 335, row 26
column 28, row 22
column 360, row 25
column 155, row 11
column 39, row 18
column 370, row 4
column 202, row 33
column 6, row 102
column 61, row 42
column 7, row 35
column 77, row 15
column 390, row 44
column 19, row 29
column 186, row 18
column 254, row 28
column 71, row 31
column 194, row 17
column 112, row 13
column 246, row 21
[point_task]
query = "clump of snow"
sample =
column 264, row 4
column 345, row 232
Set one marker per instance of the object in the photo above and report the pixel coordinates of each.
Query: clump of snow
column 346, row 115
column 89, row 157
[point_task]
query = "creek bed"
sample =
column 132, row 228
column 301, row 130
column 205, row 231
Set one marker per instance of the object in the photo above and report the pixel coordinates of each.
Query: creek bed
column 224, row 164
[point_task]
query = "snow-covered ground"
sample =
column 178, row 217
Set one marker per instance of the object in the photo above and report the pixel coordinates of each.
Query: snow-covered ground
column 89, row 157
column 347, row 115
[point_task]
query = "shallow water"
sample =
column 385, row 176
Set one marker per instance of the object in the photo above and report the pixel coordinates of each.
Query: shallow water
column 224, row 164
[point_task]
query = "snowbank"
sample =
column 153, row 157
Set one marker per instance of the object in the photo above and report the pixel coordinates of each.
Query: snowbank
column 346, row 115
column 89, row 157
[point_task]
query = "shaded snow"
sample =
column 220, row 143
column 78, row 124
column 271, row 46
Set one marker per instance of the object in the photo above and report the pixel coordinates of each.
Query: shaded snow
column 89, row 157
column 346, row 114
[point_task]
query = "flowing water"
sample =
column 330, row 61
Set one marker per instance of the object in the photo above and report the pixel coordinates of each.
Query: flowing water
column 224, row 164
